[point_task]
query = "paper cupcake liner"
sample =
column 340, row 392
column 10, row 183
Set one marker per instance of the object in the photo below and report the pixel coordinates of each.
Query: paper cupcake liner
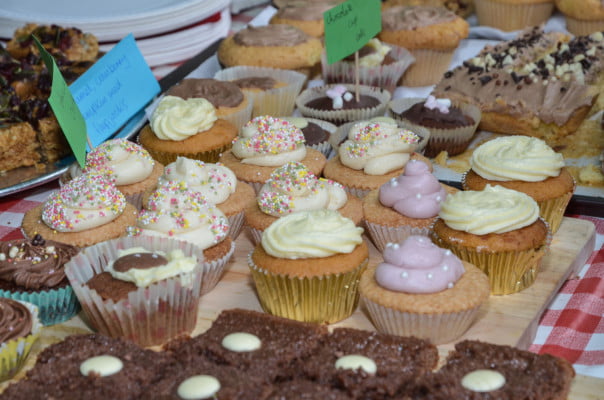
column 238, row 118
column 382, row 76
column 213, row 270
column 553, row 210
column 235, row 224
column 278, row 101
column 453, row 141
column 324, row 299
column 255, row 235
column 54, row 305
column 358, row 192
column 149, row 316
column 14, row 352
column 339, row 117
column 508, row 271
column 437, row 328
column 512, row 16
column 429, row 67
column 211, row 156
column 381, row 235
column 581, row 27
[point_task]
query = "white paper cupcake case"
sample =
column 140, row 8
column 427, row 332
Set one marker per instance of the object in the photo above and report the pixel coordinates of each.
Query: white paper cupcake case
column 151, row 315
column 213, row 270
column 381, row 235
column 235, row 224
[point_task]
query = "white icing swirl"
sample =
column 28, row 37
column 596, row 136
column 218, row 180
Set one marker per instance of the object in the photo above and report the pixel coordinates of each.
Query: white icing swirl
column 377, row 147
column 178, row 119
column 124, row 162
column 214, row 181
column 311, row 234
column 520, row 158
column 293, row 188
column 270, row 142
column 492, row 210
column 375, row 58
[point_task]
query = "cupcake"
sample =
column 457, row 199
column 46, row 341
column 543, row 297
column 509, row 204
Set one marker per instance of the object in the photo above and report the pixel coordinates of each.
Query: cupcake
column 451, row 126
column 175, row 211
column 308, row 17
column 513, row 15
column 231, row 103
column 188, row 128
column 144, row 289
column 216, row 183
column 128, row 165
column 463, row 8
column 338, row 104
column 404, row 206
column 292, row 188
column 33, row 271
column 424, row 291
column 272, row 91
column 499, row 231
column 20, row 330
column 266, row 143
column 278, row 46
column 431, row 34
column 87, row 210
column 308, row 265
column 525, row 164
column 380, row 65
column 317, row 133
column 374, row 153
column 582, row 17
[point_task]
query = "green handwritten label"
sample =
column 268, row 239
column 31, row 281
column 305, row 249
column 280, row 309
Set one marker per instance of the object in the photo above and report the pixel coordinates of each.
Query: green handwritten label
column 65, row 108
column 349, row 26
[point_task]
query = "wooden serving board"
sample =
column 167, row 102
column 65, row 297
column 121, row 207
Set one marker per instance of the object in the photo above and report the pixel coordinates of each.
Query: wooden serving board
column 510, row 320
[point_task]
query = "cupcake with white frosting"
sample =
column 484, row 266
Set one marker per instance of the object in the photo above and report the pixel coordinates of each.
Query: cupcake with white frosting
column 525, row 164
column 498, row 230
column 266, row 143
column 424, row 291
column 292, row 188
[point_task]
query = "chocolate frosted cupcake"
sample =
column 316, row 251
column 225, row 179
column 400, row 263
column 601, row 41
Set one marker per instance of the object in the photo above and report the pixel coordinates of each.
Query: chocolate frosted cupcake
column 33, row 271
column 231, row 103
column 305, row 16
column 338, row 103
column 451, row 125
column 19, row 330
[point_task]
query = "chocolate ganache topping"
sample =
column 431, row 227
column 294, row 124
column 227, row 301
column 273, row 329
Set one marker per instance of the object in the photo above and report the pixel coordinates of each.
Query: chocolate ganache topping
column 256, row 82
column 139, row 261
column 434, row 118
column 413, row 17
column 15, row 320
column 270, row 35
column 34, row 264
column 219, row 93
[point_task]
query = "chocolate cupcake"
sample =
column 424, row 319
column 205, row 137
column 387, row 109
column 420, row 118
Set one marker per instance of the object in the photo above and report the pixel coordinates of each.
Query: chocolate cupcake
column 317, row 133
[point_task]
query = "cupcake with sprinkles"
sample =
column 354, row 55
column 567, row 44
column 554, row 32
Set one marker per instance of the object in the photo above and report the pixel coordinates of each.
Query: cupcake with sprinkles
column 266, row 143
column 293, row 188
column 424, row 291
column 374, row 153
column 175, row 211
column 216, row 183
column 87, row 210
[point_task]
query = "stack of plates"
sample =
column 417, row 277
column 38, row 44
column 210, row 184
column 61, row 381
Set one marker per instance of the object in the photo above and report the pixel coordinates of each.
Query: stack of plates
column 166, row 31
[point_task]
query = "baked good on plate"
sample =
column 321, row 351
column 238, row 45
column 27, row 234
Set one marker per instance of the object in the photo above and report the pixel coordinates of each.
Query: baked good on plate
column 33, row 271
column 404, row 206
column 431, row 34
column 582, row 17
column 512, row 15
column 499, row 231
column 525, row 164
column 424, row 291
column 188, row 128
column 308, row 265
column 87, row 210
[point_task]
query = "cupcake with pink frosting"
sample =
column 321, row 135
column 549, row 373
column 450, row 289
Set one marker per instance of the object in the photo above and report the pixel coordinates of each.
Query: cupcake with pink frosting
column 423, row 290
column 404, row 206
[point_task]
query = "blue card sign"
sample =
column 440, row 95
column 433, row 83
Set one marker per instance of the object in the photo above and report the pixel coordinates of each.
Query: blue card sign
column 114, row 89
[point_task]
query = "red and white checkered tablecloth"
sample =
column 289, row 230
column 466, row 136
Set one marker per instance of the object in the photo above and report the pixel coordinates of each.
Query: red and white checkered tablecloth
column 572, row 327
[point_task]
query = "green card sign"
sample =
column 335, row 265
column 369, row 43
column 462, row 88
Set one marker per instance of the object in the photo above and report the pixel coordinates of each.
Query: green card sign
column 349, row 26
column 65, row 108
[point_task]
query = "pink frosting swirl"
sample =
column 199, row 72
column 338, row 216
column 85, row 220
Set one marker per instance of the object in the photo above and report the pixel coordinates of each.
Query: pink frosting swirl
column 415, row 194
column 418, row 266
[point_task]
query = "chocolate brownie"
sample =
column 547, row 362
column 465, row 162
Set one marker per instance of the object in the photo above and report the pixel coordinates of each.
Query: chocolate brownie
column 518, row 374
column 398, row 360
column 283, row 341
column 57, row 375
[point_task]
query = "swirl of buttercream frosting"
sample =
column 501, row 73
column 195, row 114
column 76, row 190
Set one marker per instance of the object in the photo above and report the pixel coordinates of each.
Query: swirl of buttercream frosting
column 178, row 119
column 377, row 147
column 15, row 320
column 520, row 158
column 494, row 209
